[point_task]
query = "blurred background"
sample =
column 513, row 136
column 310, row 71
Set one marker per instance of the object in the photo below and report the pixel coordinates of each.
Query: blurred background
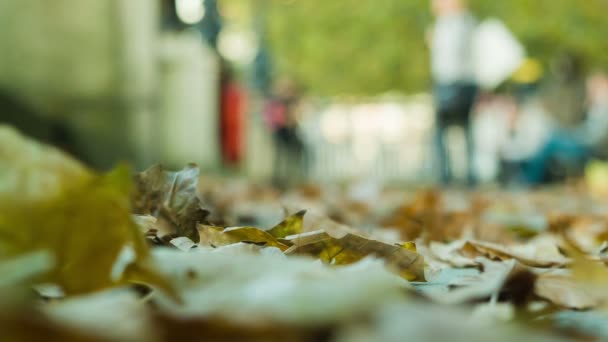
column 308, row 90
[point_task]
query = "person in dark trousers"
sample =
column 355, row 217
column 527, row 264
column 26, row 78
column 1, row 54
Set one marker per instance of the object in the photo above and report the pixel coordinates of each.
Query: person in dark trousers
column 280, row 117
column 454, row 87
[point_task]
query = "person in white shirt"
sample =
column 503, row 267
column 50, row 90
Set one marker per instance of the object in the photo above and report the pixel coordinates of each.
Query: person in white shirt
column 452, row 70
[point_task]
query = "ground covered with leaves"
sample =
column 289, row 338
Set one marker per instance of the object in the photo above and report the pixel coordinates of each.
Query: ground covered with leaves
column 173, row 255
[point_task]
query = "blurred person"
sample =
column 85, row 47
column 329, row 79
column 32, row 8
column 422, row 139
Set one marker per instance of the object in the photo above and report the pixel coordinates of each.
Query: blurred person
column 564, row 151
column 280, row 115
column 593, row 131
column 565, row 91
column 232, row 117
column 452, row 69
column 524, row 144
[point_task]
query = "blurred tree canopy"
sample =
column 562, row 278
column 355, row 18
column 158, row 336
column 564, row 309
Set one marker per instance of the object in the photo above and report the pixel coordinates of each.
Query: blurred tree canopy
column 366, row 47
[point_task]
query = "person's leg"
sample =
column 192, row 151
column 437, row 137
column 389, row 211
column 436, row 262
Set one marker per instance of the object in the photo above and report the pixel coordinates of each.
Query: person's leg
column 570, row 156
column 300, row 157
column 560, row 147
column 470, row 97
column 470, row 147
column 280, row 155
column 535, row 168
column 441, row 149
column 293, row 158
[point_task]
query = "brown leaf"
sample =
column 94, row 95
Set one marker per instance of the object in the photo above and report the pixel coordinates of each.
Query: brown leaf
column 427, row 218
column 564, row 291
column 541, row 254
column 450, row 253
column 216, row 236
column 171, row 196
column 348, row 248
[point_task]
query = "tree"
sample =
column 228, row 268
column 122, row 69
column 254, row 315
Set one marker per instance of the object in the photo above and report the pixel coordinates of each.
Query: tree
column 367, row 47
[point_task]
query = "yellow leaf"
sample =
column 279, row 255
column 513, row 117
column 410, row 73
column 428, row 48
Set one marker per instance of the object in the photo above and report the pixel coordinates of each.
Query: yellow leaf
column 84, row 221
column 410, row 246
column 217, row 237
column 350, row 248
column 290, row 226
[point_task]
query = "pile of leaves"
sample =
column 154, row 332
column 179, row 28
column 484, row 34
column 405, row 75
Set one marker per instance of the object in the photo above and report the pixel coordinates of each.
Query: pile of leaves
column 162, row 255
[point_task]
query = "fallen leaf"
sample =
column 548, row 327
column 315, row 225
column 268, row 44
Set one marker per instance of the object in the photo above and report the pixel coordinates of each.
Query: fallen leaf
column 183, row 243
column 423, row 321
column 450, row 253
column 292, row 225
column 593, row 324
column 258, row 289
column 541, row 254
column 171, row 196
column 349, row 248
column 253, row 235
column 494, row 278
column 564, row 291
column 84, row 223
column 215, row 236
column 119, row 309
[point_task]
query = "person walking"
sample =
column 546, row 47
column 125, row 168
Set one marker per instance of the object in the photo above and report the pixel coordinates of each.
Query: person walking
column 281, row 118
column 452, row 70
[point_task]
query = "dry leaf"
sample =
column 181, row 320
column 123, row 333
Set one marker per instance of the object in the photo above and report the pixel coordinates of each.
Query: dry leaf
column 495, row 277
column 543, row 254
column 259, row 289
column 116, row 315
column 183, row 243
column 216, row 236
column 292, row 225
column 253, row 235
column 84, row 223
column 171, row 196
column 450, row 253
column 564, row 291
column 349, row 248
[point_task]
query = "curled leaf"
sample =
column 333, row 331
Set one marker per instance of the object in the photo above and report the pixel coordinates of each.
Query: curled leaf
column 81, row 219
column 172, row 197
column 216, row 236
column 349, row 248
column 450, row 253
column 541, row 254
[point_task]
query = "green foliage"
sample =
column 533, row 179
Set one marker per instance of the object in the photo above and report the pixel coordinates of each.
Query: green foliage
column 367, row 47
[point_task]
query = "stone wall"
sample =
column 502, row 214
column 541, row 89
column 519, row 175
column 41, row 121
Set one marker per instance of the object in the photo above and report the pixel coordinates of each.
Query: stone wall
column 100, row 69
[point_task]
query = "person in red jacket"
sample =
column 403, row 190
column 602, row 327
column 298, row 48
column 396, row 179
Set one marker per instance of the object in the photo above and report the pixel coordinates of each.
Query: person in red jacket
column 232, row 119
